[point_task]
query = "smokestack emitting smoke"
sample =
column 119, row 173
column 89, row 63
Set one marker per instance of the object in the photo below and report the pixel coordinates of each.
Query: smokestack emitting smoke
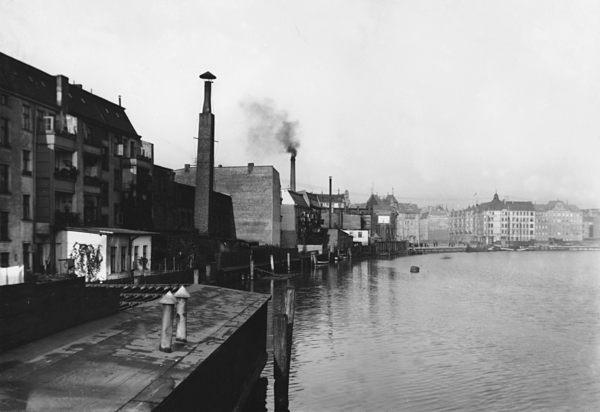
column 270, row 128
column 293, row 173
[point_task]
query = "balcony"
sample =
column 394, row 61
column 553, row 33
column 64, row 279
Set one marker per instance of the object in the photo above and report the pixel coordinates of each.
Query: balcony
column 92, row 181
column 66, row 173
column 67, row 219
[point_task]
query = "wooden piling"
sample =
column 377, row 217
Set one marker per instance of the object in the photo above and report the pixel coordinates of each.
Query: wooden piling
column 288, row 262
column 251, row 269
column 280, row 361
column 283, row 326
column 272, row 264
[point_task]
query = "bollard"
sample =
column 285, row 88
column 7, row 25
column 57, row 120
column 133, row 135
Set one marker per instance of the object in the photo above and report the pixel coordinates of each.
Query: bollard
column 166, row 331
column 196, row 276
column 272, row 264
column 288, row 261
column 251, row 269
column 182, row 296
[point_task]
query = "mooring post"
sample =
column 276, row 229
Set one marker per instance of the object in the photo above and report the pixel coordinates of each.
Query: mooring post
column 166, row 331
column 272, row 264
column 282, row 347
column 251, row 269
column 288, row 261
column 182, row 296
column 280, row 361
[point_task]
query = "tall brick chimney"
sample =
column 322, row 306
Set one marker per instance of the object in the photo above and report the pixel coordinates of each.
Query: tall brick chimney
column 205, row 162
column 293, row 173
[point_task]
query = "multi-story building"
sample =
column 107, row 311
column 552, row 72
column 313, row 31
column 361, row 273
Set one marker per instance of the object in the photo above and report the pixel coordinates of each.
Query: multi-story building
column 68, row 159
column 434, row 225
column 408, row 222
column 561, row 221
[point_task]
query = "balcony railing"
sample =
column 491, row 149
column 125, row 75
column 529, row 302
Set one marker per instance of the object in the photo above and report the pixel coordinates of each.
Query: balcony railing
column 67, row 219
column 92, row 181
column 66, row 173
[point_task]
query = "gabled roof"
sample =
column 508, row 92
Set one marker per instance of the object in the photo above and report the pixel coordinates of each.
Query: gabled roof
column 313, row 199
column 410, row 208
column 95, row 108
column 298, row 199
column 390, row 199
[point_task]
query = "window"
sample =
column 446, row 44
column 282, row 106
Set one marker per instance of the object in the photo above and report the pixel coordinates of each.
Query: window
column 4, row 257
column 4, row 226
column 40, row 117
column 118, row 180
column 89, row 134
column 4, row 135
column 105, row 158
column 26, row 207
column 4, row 99
column 27, row 256
column 113, row 259
column 26, row 117
column 104, row 193
column 27, row 162
column 4, row 179
column 123, row 258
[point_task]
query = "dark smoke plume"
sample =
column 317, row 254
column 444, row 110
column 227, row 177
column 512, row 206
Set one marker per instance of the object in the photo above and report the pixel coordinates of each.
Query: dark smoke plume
column 269, row 129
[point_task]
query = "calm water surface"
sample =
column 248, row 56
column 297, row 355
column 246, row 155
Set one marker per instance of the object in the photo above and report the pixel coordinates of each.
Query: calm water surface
column 472, row 331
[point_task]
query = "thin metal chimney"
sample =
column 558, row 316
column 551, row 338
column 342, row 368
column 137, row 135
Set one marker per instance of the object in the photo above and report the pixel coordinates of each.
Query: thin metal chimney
column 293, row 173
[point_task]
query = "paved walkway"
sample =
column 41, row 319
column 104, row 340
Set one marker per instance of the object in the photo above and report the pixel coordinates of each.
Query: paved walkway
column 114, row 363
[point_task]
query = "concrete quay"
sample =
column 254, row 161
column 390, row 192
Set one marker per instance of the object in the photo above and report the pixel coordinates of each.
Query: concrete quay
column 114, row 363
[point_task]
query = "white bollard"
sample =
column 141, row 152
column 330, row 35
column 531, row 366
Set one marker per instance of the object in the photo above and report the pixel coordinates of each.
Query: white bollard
column 166, row 331
column 182, row 296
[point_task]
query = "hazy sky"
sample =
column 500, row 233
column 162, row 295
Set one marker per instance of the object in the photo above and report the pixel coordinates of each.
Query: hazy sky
column 439, row 101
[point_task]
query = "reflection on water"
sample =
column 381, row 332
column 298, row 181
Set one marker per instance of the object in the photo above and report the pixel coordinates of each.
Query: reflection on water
column 478, row 331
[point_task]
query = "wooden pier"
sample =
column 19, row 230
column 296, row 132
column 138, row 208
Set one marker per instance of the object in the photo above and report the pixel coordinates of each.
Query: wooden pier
column 114, row 364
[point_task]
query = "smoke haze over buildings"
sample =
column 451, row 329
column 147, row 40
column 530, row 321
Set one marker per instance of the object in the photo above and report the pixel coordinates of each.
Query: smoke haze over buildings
column 269, row 129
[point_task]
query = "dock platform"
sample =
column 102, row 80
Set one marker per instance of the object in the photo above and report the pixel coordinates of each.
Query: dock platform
column 113, row 364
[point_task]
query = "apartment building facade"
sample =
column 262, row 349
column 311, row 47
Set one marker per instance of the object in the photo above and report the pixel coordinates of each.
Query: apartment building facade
column 68, row 159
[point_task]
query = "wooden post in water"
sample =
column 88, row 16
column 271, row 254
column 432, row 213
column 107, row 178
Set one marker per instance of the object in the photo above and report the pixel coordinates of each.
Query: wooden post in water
column 288, row 261
column 283, row 326
column 251, row 269
column 280, row 361
column 272, row 264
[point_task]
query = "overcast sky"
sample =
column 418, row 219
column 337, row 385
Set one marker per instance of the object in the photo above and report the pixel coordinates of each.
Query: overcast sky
column 438, row 101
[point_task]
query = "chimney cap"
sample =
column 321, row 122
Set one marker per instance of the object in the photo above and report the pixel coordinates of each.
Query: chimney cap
column 208, row 76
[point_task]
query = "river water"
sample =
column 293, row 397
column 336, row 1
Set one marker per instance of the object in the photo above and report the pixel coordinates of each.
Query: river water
column 497, row 331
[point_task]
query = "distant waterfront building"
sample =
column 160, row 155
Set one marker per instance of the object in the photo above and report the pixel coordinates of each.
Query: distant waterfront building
column 434, row 225
column 506, row 222
column 408, row 224
column 564, row 222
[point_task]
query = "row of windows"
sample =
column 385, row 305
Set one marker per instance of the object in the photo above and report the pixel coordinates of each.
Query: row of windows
column 124, row 262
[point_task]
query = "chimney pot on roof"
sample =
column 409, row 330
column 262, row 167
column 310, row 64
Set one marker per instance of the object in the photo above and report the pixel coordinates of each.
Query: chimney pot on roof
column 119, row 100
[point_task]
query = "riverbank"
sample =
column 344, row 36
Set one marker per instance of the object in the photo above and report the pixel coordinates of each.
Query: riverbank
column 115, row 364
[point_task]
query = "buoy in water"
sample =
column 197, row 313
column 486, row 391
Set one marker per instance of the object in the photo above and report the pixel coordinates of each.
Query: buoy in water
column 414, row 269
